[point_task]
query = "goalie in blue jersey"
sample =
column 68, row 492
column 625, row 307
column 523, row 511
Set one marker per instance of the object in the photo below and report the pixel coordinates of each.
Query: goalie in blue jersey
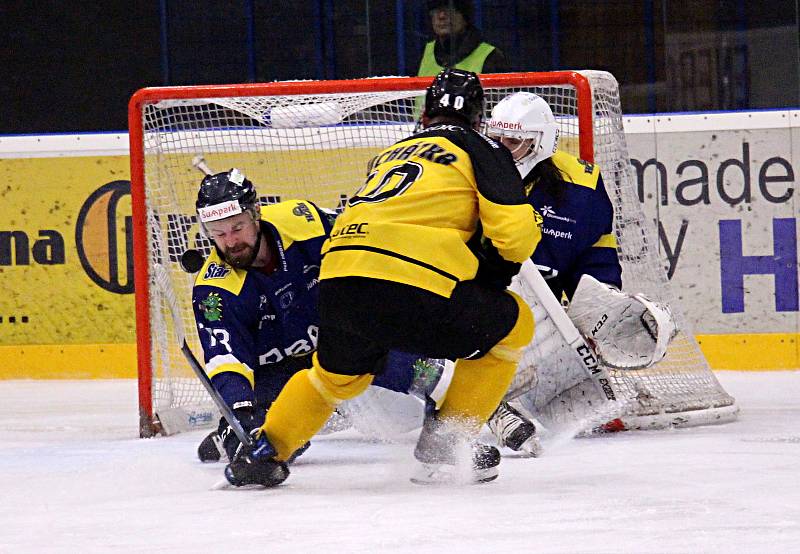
column 578, row 258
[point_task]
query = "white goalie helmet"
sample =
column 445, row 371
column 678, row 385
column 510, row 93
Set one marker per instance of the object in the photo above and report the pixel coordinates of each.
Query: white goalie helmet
column 526, row 122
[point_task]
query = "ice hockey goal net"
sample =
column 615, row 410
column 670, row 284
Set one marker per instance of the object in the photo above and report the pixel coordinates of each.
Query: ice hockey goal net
column 312, row 140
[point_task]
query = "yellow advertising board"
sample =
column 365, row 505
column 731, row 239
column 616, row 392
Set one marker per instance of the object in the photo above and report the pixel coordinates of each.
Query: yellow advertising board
column 65, row 261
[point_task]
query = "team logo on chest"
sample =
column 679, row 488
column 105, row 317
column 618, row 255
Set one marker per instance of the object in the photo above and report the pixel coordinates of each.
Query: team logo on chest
column 285, row 296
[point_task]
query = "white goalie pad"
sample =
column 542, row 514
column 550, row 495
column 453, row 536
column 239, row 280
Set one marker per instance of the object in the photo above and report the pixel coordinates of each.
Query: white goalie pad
column 628, row 332
column 383, row 414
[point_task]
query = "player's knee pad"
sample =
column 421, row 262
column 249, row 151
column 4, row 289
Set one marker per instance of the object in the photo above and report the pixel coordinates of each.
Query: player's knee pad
column 335, row 387
column 510, row 347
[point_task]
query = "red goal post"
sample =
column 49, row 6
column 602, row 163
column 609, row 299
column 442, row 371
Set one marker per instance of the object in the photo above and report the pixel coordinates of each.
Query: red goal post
column 284, row 135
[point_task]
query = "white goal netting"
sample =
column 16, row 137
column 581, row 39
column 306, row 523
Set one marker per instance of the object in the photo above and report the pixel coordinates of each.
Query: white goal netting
column 312, row 141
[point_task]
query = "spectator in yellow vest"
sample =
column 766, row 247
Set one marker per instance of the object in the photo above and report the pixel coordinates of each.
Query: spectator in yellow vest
column 458, row 43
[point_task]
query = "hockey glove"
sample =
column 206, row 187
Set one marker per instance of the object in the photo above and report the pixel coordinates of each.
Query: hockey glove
column 493, row 270
column 628, row 331
column 256, row 465
column 230, row 442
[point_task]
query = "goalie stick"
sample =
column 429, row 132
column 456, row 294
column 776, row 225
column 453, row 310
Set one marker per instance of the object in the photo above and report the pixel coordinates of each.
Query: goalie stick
column 599, row 376
column 165, row 287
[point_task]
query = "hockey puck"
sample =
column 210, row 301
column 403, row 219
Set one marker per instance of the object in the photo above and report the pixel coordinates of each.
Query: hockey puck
column 192, row 260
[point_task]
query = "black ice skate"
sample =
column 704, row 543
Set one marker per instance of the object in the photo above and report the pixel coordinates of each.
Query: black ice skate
column 514, row 430
column 255, row 464
column 249, row 471
column 448, row 456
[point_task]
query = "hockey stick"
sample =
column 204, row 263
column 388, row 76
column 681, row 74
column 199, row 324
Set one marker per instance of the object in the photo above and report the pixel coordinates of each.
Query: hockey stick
column 599, row 376
column 199, row 163
column 165, row 286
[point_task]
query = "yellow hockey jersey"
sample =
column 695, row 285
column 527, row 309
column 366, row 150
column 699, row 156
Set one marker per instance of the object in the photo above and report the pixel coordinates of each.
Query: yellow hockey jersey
column 421, row 203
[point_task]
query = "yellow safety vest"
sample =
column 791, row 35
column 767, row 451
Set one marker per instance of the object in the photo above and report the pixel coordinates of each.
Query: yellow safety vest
column 474, row 62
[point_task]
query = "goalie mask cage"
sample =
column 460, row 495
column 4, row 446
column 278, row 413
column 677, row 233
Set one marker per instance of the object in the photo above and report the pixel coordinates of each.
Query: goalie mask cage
column 312, row 140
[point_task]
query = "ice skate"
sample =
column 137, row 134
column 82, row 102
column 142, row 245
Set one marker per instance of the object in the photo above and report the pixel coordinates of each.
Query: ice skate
column 514, row 430
column 448, row 456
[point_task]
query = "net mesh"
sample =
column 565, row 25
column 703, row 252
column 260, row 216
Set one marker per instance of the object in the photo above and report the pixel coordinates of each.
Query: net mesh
column 315, row 146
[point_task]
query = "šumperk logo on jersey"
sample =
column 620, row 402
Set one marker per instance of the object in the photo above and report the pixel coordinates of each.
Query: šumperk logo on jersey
column 212, row 307
column 216, row 271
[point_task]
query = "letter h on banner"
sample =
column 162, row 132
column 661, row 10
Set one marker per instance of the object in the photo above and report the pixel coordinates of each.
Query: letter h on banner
column 782, row 264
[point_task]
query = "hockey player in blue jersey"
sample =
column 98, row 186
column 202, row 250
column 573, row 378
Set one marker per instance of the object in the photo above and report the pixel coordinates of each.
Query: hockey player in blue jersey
column 577, row 234
column 578, row 252
column 255, row 300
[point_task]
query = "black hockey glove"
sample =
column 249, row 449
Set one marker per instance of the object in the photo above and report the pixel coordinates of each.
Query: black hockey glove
column 230, row 442
column 252, row 425
column 493, row 270
column 256, row 465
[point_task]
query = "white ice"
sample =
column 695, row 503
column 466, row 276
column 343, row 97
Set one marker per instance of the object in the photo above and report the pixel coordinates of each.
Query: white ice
column 74, row 477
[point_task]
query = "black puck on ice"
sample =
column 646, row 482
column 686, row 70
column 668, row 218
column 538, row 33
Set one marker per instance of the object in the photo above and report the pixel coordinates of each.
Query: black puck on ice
column 192, row 260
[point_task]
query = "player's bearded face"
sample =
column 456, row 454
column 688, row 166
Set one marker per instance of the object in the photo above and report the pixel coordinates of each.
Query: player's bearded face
column 236, row 238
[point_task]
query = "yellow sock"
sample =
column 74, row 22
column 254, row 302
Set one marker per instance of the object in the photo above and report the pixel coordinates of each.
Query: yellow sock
column 479, row 385
column 305, row 404
column 477, row 388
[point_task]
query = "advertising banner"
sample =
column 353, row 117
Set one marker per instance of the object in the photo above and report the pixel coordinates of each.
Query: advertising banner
column 723, row 191
column 721, row 188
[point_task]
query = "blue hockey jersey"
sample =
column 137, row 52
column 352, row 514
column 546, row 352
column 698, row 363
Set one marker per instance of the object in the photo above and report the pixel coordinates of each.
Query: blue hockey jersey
column 577, row 233
column 256, row 329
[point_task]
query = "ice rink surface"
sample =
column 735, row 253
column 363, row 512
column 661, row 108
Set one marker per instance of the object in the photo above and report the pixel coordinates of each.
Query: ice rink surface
column 75, row 478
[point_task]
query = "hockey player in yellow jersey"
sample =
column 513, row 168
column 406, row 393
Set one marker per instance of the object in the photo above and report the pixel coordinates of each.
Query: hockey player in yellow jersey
column 397, row 273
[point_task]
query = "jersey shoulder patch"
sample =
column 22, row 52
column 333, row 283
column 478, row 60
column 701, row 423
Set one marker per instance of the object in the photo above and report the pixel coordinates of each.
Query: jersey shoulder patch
column 216, row 273
column 295, row 220
column 576, row 170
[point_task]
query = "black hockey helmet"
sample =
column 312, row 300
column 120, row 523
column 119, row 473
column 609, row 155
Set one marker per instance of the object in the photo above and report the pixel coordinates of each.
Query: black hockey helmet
column 226, row 194
column 456, row 93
